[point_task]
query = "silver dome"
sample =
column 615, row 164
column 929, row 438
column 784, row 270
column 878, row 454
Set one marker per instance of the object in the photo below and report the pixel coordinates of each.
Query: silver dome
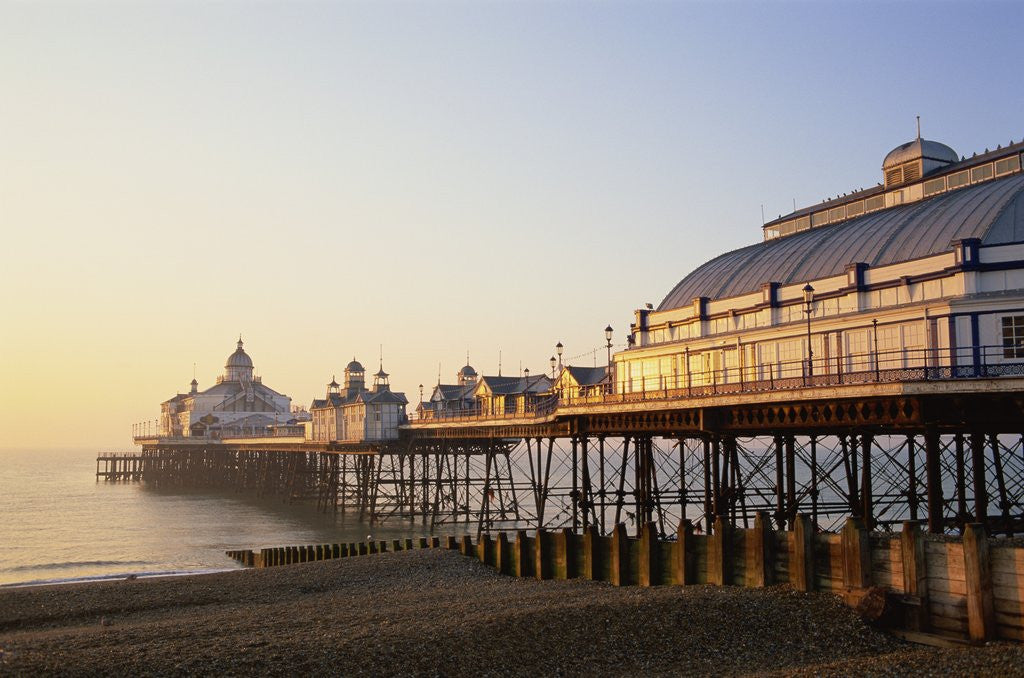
column 919, row 148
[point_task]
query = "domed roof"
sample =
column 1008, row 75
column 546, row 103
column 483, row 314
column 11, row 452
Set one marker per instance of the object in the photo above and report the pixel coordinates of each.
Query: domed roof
column 467, row 371
column 917, row 149
column 354, row 366
column 239, row 358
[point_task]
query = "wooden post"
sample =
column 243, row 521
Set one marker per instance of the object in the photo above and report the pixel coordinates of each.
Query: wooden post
column 718, row 553
column 759, row 551
column 561, row 543
column 619, row 565
column 591, row 566
column 856, row 555
column 423, row 542
column 451, row 543
column 915, row 575
column 647, row 563
column 482, row 547
column 501, row 553
column 409, row 542
column 465, row 546
column 981, row 616
column 801, row 559
column 520, row 560
column 542, row 554
column 682, row 557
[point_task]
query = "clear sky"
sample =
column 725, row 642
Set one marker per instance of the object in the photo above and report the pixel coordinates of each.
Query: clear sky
column 435, row 177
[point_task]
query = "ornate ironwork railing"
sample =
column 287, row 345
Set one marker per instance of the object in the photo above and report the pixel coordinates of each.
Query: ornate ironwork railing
column 903, row 365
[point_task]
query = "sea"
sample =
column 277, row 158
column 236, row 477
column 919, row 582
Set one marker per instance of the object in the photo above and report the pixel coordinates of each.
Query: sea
column 59, row 525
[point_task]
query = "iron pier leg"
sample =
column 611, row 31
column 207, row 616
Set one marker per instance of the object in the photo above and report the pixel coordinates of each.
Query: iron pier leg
column 780, row 501
column 575, row 485
column 978, row 474
column 912, row 476
column 961, row 483
column 867, row 510
column 933, row 472
column 791, row 507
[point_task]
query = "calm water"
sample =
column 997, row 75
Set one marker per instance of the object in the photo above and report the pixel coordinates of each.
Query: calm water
column 58, row 524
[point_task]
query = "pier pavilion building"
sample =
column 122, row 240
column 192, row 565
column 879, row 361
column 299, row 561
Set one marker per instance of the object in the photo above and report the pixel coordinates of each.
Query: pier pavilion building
column 354, row 413
column 452, row 399
column 925, row 269
column 238, row 404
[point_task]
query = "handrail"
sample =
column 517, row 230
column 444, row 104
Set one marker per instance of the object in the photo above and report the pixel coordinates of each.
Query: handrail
column 898, row 365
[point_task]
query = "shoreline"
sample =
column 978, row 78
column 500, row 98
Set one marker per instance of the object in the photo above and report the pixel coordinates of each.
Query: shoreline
column 119, row 576
column 435, row 612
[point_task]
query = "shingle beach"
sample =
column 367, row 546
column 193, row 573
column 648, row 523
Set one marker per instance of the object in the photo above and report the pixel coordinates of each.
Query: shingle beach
column 435, row 612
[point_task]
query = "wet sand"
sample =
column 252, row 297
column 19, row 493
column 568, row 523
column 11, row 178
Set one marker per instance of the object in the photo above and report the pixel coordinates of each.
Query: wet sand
column 434, row 612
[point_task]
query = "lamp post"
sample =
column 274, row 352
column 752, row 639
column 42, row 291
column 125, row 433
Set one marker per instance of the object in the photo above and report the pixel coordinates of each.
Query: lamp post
column 808, row 308
column 552, row 361
column 558, row 351
column 608, row 338
column 874, row 344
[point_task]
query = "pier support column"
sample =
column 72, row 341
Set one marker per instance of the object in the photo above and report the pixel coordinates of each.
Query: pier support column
column 933, row 471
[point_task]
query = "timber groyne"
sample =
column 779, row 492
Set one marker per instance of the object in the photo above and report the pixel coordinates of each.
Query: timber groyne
column 927, row 588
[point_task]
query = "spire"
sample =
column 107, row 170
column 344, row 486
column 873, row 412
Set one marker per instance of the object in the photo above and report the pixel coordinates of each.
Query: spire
column 919, row 128
column 239, row 341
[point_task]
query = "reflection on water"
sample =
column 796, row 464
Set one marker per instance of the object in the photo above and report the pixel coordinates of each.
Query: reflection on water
column 58, row 523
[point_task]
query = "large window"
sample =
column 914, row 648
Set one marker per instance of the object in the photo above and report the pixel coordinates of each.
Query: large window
column 1013, row 336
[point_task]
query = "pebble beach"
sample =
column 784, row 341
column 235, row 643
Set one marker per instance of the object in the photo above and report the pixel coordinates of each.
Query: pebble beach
column 437, row 613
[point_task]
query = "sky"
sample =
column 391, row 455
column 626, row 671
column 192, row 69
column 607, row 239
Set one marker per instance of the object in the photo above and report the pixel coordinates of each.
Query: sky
column 418, row 180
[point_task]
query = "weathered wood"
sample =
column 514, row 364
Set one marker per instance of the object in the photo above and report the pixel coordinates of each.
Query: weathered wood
column 520, row 555
column 560, row 546
column 542, row 555
column 619, row 565
column 482, row 547
column 856, row 555
column 465, row 545
column 450, row 543
column 591, row 539
column 718, row 553
column 647, row 563
column 980, row 610
column 683, row 555
column 759, row 551
column 502, row 554
column 915, row 575
column 801, row 561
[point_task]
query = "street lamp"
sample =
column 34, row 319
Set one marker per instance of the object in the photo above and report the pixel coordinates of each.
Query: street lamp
column 608, row 337
column 552, row 361
column 808, row 308
column 558, row 350
column 874, row 331
column 421, row 393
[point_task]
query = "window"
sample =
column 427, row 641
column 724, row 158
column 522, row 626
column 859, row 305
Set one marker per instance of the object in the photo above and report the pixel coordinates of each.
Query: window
column 1007, row 165
column 1013, row 336
column 981, row 173
column 956, row 180
column 819, row 219
column 934, row 186
column 855, row 208
column 803, row 223
column 875, row 203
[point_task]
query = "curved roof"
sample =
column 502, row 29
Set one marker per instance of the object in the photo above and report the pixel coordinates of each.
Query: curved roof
column 239, row 358
column 919, row 148
column 354, row 366
column 467, row 371
column 992, row 211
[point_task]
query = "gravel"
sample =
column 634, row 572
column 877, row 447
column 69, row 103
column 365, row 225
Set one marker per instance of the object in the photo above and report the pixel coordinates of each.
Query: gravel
column 434, row 612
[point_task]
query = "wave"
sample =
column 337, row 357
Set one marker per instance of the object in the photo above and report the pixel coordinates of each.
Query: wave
column 73, row 563
column 113, row 577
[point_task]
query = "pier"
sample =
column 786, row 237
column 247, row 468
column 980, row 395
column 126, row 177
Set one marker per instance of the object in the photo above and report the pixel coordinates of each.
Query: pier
column 944, row 448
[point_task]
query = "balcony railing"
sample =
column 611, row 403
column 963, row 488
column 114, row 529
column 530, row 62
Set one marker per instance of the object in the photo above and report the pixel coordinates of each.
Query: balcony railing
column 905, row 365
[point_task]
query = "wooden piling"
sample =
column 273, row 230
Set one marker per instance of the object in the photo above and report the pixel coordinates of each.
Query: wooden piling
column 591, row 565
column 915, row 576
column 856, row 555
column 619, row 565
column 542, row 554
column 801, row 559
column 759, row 543
column 647, row 562
column 981, row 616
column 502, row 554
column 520, row 555
column 719, row 566
column 683, row 554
